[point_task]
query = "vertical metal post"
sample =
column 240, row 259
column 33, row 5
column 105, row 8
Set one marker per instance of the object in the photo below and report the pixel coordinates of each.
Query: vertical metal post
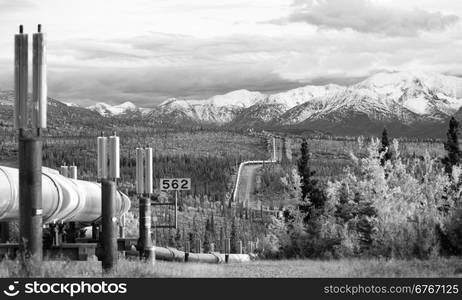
column 239, row 248
column 145, row 246
column 198, row 246
column 122, row 227
column 54, row 234
column 176, row 209
column 186, row 251
column 227, row 249
column 274, row 149
column 108, row 234
column 4, row 232
column 39, row 80
column 94, row 232
column 30, row 197
column 21, row 75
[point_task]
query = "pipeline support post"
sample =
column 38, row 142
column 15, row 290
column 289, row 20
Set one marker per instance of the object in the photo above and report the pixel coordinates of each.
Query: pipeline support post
column 109, row 221
column 198, row 246
column 227, row 249
column 186, row 251
column 146, row 248
column 4, row 232
column 30, row 197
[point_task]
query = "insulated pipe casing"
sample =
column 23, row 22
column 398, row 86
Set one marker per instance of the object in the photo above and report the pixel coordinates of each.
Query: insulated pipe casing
column 64, row 170
column 148, row 171
column 20, row 80
column 227, row 246
column 64, row 200
column 139, row 171
column 39, row 81
column 114, row 157
column 101, row 148
column 73, row 172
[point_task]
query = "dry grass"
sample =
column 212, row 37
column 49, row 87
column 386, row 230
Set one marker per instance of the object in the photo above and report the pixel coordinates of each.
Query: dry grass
column 285, row 268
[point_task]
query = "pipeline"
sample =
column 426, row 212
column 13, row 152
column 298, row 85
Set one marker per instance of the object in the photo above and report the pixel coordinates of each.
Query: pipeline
column 64, row 199
column 253, row 162
column 241, row 166
column 172, row 254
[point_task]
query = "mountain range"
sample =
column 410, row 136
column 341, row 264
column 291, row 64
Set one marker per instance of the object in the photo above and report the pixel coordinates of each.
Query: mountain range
column 409, row 102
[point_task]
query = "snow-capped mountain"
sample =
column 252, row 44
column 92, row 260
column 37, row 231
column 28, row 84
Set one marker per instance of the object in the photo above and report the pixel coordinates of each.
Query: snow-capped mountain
column 70, row 104
column 107, row 110
column 396, row 98
column 218, row 109
column 404, row 96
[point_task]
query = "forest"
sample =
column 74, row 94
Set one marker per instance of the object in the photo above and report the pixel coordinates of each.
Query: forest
column 385, row 203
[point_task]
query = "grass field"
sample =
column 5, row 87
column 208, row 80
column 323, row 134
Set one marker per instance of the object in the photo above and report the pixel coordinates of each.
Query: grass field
column 441, row 267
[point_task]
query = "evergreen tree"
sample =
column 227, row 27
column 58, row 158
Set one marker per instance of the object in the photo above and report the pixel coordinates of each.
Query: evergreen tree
column 206, row 243
column 177, row 239
column 385, row 148
column 233, row 237
column 365, row 222
column 454, row 154
column 312, row 195
column 192, row 240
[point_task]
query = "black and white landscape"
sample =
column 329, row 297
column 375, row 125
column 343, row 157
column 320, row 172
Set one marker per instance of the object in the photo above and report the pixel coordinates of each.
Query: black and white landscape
column 311, row 138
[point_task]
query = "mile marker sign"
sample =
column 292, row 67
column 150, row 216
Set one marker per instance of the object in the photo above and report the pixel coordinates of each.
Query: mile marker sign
column 175, row 184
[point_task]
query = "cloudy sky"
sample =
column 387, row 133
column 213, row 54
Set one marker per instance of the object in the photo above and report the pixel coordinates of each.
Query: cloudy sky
column 148, row 51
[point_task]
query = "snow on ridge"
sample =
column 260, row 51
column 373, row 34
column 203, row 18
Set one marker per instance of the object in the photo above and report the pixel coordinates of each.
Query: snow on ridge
column 384, row 94
column 105, row 109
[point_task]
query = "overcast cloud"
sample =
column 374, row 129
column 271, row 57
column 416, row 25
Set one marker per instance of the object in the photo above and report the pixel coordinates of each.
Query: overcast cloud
column 148, row 51
column 367, row 16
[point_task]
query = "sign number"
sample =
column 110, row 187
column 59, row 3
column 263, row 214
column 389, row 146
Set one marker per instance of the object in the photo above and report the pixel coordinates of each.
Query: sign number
column 175, row 184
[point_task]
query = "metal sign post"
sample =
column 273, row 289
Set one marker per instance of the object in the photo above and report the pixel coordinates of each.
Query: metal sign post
column 172, row 184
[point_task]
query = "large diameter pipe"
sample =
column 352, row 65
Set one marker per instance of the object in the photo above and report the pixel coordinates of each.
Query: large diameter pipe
column 64, row 199
column 20, row 79
column 109, row 236
column 30, row 197
column 39, row 81
column 172, row 254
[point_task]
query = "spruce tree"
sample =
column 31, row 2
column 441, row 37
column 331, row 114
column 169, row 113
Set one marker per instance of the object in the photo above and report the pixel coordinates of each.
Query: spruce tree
column 312, row 195
column 454, row 154
column 233, row 237
column 177, row 238
column 385, row 148
column 206, row 243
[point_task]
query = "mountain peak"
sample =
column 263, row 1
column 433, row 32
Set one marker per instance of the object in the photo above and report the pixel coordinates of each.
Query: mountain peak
column 440, row 82
column 242, row 98
column 127, row 105
column 105, row 109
